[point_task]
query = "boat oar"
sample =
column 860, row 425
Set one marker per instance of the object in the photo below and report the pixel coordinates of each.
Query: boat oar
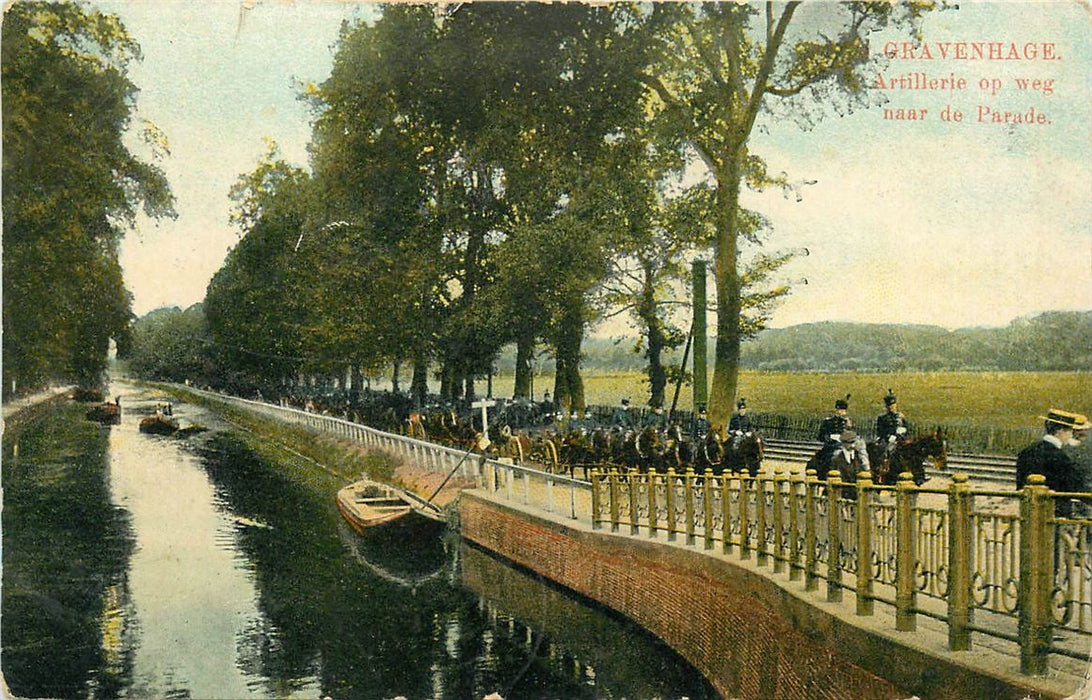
column 450, row 474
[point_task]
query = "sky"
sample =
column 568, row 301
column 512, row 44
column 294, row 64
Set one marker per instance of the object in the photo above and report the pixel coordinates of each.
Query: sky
column 924, row 221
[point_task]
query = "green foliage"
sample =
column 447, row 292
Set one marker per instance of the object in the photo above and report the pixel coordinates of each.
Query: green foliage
column 170, row 344
column 71, row 185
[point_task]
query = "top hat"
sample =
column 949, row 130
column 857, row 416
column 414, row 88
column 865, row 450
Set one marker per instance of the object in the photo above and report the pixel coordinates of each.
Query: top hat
column 890, row 398
column 1066, row 419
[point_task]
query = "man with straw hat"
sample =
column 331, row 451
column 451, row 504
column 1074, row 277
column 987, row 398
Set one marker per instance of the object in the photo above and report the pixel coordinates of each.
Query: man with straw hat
column 1046, row 456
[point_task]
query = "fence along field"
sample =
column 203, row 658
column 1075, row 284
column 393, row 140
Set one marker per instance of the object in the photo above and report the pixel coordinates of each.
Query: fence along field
column 982, row 411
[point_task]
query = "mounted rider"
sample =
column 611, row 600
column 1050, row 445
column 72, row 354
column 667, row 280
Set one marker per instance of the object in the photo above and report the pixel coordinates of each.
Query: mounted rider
column 740, row 423
column 699, row 430
column 891, row 426
column 831, row 429
column 622, row 418
column 656, row 419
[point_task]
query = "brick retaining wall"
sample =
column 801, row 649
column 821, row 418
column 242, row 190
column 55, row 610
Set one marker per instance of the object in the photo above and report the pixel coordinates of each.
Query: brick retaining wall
column 748, row 636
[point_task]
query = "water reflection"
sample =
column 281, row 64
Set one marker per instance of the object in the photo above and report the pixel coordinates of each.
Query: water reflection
column 154, row 566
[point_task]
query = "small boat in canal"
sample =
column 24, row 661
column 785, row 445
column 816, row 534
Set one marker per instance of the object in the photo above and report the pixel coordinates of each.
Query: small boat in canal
column 367, row 504
column 158, row 424
column 106, row 413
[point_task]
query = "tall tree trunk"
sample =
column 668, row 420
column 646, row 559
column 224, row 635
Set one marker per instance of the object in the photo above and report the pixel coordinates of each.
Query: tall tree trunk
column 654, row 332
column 726, row 371
column 569, row 386
column 471, row 394
column 358, row 379
column 525, row 351
column 419, row 383
column 445, row 380
column 394, row 376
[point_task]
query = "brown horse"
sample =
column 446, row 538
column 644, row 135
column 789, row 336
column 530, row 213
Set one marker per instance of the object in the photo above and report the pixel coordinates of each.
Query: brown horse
column 908, row 455
column 744, row 452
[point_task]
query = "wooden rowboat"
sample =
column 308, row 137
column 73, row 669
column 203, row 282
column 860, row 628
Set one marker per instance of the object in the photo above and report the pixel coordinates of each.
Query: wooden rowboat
column 366, row 504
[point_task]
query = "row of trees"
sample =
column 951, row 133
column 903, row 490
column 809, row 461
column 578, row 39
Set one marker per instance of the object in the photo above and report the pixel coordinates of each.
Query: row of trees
column 71, row 188
column 506, row 173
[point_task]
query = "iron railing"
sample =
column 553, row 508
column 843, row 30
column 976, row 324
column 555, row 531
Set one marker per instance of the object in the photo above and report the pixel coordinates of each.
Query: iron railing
column 993, row 562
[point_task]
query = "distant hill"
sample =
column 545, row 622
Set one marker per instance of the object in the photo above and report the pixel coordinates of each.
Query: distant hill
column 1049, row 341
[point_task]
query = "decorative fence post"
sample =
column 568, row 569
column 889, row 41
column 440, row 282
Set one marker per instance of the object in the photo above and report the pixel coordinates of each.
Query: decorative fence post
column 795, row 567
column 760, row 519
column 811, row 578
column 744, row 552
column 671, row 525
column 688, row 484
column 1036, row 569
column 834, row 537
column 634, row 526
column 653, row 519
column 959, row 563
column 865, row 603
column 613, row 482
column 707, row 486
column 905, row 590
column 726, row 512
column 596, row 506
column 778, row 523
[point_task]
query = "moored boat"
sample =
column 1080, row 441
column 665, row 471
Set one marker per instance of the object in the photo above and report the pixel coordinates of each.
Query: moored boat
column 158, row 424
column 107, row 413
column 366, row 504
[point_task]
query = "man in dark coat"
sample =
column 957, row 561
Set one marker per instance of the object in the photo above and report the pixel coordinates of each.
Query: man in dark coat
column 847, row 462
column 700, row 429
column 831, row 429
column 740, row 422
column 891, row 426
column 1046, row 457
column 833, row 426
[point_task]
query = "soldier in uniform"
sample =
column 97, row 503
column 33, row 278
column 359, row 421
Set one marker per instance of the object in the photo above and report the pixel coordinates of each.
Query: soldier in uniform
column 891, row 426
column 621, row 417
column 656, row 419
column 740, row 422
column 831, row 429
column 1047, row 457
column 700, row 429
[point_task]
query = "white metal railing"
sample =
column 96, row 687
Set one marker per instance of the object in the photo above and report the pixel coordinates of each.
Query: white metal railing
column 551, row 493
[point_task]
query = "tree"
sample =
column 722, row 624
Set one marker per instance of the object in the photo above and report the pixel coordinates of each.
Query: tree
column 719, row 65
column 71, row 188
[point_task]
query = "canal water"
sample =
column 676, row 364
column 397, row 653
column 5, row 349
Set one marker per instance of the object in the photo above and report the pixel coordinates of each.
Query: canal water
column 149, row 566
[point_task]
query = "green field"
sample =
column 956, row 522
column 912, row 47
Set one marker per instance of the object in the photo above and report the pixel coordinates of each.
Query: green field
column 973, row 405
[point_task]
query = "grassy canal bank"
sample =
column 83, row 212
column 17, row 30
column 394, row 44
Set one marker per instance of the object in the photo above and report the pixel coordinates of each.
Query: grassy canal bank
column 320, row 463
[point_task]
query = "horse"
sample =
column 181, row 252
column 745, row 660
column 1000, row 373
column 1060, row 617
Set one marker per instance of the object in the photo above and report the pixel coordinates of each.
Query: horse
column 908, row 455
column 709, row 454
column 744, row 451
column 650, row 450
